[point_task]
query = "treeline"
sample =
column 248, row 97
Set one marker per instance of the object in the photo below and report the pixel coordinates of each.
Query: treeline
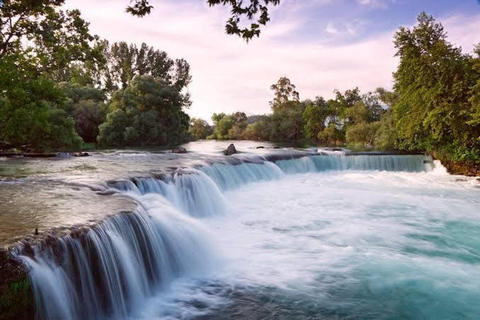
column 351, row 117
column 434, row 106
column 61, row 87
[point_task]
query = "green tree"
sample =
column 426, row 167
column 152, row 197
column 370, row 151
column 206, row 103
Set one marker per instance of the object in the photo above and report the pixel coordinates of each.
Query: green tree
column 86, row 105
column 32, row 109
column 285, row 94
column 314, row 116
column 149, row 112
column 200, row 129
column 433, row 82
column 331, row 135
column 124, row 62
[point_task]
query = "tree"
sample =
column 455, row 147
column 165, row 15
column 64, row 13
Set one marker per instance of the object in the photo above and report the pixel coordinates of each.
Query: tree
column 200, row 129
column 285, row 92
column 124, row 62
column 56, row 39
column 331, row 135
column 86, row 105
column 32, row 109
column 223, row 126
column 315, row 116
column 433, row 82
column 256, row 10
column 256, row 131
column 149, row 112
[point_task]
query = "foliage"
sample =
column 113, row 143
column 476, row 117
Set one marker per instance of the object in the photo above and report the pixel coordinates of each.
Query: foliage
column 315, row 116
column 434, row 83
column 331, row 135
column 88, row 115
column 32, row 110
column 199, row 128
column 362, row 133
column 147, row 113
column 124, row 62
column 256, row 10
column 285, row 92
column 55, row 39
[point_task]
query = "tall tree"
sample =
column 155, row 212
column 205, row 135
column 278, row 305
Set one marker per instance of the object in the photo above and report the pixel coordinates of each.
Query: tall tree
column 284, row 92
column 315, row 116
column 125, row 61
column 433, row 83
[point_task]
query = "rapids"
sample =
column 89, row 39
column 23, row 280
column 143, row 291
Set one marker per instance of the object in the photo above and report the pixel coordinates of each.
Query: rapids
column 285, row 235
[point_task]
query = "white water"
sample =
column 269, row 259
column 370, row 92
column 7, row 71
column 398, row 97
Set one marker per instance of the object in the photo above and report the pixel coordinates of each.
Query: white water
column 285, row 238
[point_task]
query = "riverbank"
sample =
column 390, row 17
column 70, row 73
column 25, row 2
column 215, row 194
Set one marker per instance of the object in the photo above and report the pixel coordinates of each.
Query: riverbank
column 463, row 169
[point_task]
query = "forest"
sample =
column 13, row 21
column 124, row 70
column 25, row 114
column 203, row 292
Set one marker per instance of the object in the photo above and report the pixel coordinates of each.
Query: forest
column 62, row 88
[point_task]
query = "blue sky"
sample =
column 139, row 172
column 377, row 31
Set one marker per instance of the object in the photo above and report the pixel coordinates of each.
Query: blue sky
column 321, row 45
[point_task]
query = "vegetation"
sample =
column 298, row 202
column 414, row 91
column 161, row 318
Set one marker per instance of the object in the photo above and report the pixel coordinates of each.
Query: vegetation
column 61, row 87
column 254, row 10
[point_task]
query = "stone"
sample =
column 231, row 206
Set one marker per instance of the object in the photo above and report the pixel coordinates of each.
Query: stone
column 230, row 150
column 179, row 150
column 81, row 154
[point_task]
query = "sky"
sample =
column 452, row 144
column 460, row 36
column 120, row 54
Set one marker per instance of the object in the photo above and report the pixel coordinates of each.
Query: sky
column 320, row 45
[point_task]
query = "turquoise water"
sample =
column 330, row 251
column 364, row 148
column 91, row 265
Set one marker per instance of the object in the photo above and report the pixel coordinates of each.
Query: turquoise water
column 342, row 245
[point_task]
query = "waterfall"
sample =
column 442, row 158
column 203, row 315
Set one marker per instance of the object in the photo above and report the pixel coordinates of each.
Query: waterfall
column 109, row 270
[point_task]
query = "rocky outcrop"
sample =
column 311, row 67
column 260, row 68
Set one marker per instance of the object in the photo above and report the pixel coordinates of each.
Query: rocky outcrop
column 16, row 295
column 465, row 169
column 230, row 150
column 179, row 150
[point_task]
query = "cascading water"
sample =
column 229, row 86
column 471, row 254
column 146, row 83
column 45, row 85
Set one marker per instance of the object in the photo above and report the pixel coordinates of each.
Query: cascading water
column 110, row 270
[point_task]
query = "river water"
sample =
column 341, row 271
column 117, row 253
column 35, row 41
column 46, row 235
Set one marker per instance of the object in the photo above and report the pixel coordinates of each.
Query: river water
column 313, row 237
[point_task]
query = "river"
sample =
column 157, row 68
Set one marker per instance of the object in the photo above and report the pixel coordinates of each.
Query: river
column 265, row 234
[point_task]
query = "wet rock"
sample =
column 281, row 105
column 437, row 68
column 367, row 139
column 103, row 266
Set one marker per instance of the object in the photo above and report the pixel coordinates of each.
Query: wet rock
column 230, row 150
column 81, row 154
column 27, row 250
column 16, row 296
column 39, row 155
column 179, row 150
column 260, row 147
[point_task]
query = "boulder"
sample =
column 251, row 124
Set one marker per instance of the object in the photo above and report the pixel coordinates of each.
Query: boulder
column 81, row 154
column 230, row 150
column 179, row 150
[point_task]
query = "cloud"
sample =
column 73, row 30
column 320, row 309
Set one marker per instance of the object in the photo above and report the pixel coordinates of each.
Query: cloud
column 230, row 75
column 384, row 4
column 331, row 29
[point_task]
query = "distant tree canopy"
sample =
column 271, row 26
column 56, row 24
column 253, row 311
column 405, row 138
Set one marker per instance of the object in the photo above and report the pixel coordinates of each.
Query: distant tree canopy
column 317, row 121
column 253, row 10
column 200, row 129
